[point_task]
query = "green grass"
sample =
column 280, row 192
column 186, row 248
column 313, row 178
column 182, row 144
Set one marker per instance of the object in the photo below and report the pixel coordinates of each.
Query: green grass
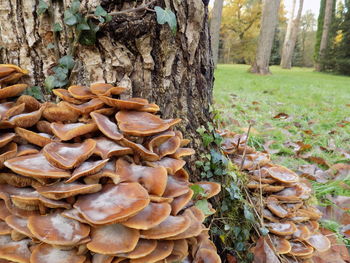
column 314, row 101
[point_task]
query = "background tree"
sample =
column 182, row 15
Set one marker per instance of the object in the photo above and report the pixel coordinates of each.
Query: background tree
column 215, row 24
column 325, row 39
column 291, row 37
column 172, row 68
column 266, row 37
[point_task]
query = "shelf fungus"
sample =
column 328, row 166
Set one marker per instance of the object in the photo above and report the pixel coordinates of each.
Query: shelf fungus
column 283, row 201
column 96, row 178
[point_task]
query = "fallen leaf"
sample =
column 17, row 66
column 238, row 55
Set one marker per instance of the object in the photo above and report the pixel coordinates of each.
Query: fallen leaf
column 318, row 160
column 309, row 132
column 281, row 115
column 303, row 147
column 231, row 259
column 263, row 253
column 297, row 124
column 255, row 103
column 340, row 170
column 267, row 149
column 314, row 173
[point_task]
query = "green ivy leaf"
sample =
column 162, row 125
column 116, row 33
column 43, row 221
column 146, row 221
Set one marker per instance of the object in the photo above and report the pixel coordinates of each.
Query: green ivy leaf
column 67, row 61
column 89, row 36
column 61, row 73
column 50, row 83
column 75, row 6
column 42, row 7
column 35, row 92
column 204, row 206
column 198, row 191
column 57, row 27
column 100, row 11
column 69, row 18
column 108, row 18
column 50, row 46
column 83, row 26
column 248, row 214
column 166, row 16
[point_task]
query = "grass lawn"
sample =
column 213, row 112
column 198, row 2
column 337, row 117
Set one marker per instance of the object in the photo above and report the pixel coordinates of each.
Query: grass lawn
column 316, row 108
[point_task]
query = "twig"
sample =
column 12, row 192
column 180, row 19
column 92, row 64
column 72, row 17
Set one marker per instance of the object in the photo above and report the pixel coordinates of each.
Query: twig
column 245, row 147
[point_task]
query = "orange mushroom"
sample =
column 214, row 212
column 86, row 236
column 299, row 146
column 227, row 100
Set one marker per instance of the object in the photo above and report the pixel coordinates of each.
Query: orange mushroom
column 7, row 152
column 19, row 224
column 194, row 229
column 69, row 155
column 12, row 91
column 175, row 187
column 172, row 165
column 44, row 253
column 127, row 104
column 107, row 127
column 283, row 174
column 300, row 249
column 107, row 171
column 86, row 107
column 87, row 168
column 281, row 245
column 210, row 188
column 59, row 113
column 140, row 150
column 114, row 203
column 31, row 104
column 81, row 93
column 142, row 123
column 162, row 251
column 40, row 139
column 282, row 229
column 319, row 242
column 17, row 251
column 5, row 138
column 105, row 89
column 26, row 149
column 273, row 204
column 143, row 248
column 106, row 148
column 69, row 131
column 66, row 96
column 180, row 202
column 26, row 120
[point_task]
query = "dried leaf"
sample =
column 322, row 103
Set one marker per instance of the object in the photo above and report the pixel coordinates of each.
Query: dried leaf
column 308, row 132
column 267, row 147
column 314, row 173
column 318, row 160
column 263, row 253
column 303, row 147
column 231, row 259
column 281, row 115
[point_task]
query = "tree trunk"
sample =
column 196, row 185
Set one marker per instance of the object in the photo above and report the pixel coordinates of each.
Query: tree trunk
column 215, row 23
column 267, row 32
column 290, row 41
column 325, row 34
column 133, row 50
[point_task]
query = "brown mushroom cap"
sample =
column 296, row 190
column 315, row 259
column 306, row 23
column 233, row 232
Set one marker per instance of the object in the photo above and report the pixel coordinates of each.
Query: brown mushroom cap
column 39, row 139
column 106, row 89
column 69, row 155
column 5, row 138
column 300, row 249
column 294, row 193
column 87, row 168
column 319, row 242
column 16, row 68
column 172, row 165
column 62, row 190
column 154, row 180
column 60, row 113
column 128, row 104
column 44, row 127
column 57, row 230
column 44, row 253
column 180, row 251
column 273, row 204
column 113, row 203
column 283, row 174
column 80, row 92
column 69, row 131
column 182, row 152
column 193, row 230
column 282, row 229
column 31, row 104
column 142, row 123
column 151, row 216
column 302, row 232
column 107, row 171
column 163, row 250
column 66, row 96
column 7, row 152
column 171, row 226
column 143, row 248
column 35, row 166
column 107, row 127
column 86, row 107
column 140, row 150
column 168, row 147
column 100, row 258
column 180, row 202
column 175, row 187
column 5, row 71
column 16, row 251
column 207, row 256
column 4, row 228
column 160, row 138
column 9, row 109
column 26, row 149
column 19, row 224
column 113, row 239
column 26, row 120
column 106, row 148
column 282, row 245
column 4, row 212
column 210, row 188
column 75, row 215
column 12, row 91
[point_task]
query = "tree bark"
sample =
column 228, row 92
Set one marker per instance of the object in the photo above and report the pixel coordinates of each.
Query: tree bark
column 174, row 71
column 267, row 32
column 215, row 23
column 325, row 33
column 289, row 43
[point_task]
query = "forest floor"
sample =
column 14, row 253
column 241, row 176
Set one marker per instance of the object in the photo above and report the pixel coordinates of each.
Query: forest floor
column 300, row 117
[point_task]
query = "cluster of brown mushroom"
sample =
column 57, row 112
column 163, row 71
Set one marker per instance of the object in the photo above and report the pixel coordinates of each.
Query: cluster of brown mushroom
column 281, row 198
column 96, row 179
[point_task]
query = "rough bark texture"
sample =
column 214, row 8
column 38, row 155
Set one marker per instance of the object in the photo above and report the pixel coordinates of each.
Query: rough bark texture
column 325, row 33
column 266, row 37
column 289, row 44
column 215, row 23
column 174, row 71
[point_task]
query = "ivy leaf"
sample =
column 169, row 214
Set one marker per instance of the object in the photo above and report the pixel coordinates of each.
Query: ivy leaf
column 42, row 7
column 50, row 83
column 100, row 11
column 69, row 18
column 248, row 214
column 108, row 18
column 198, row 191
column 166, row 16
column 50, row 46
column 83, row 26
column 204, row 206
column 89, row 36
column 74, row 8
column 35, row 92
column 67, row 61
column 57, row 27
column 60, row 73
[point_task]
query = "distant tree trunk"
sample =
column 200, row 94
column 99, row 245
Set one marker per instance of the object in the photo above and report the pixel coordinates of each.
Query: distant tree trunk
column 328, row 14
column 133, row 50
column 266, row 37
column 215, row 24
column 291, row 37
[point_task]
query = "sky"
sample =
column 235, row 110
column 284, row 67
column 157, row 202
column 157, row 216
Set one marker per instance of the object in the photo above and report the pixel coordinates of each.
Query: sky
column 313, row 5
